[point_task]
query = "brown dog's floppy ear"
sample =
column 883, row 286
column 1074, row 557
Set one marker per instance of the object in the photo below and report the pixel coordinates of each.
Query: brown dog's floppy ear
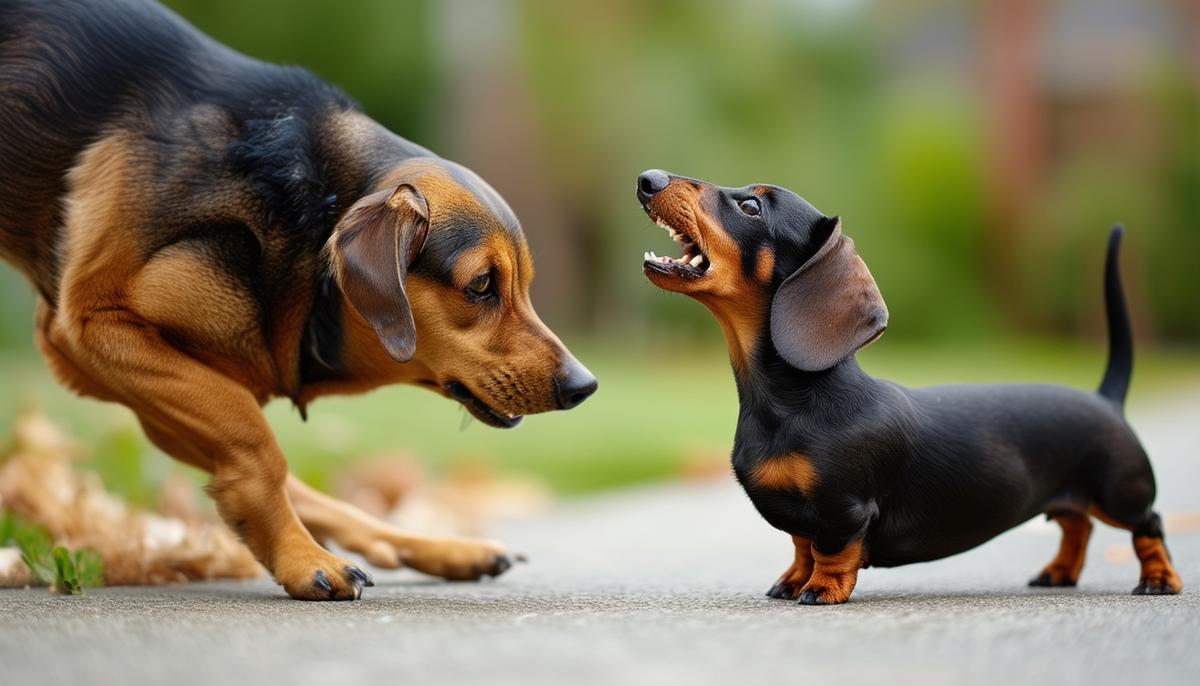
column 372, row 247
column 828, row 308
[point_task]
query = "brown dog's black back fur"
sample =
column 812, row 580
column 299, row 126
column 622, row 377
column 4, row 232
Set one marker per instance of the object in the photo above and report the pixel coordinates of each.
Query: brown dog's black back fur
column 73, row 71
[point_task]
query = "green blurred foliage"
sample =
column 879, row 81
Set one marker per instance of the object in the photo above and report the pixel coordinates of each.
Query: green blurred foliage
column 380, row 51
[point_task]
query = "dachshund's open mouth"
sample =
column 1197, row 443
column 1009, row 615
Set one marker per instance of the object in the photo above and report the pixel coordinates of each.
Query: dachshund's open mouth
column 479, row 409
column 693, row 264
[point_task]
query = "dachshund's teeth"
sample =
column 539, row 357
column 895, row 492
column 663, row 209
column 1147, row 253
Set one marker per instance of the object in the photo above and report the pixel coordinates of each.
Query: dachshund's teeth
column 697, row 260
column 646, row 255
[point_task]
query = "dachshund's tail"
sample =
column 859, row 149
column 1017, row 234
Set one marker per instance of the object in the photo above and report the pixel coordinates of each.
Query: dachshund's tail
column 1120, row 338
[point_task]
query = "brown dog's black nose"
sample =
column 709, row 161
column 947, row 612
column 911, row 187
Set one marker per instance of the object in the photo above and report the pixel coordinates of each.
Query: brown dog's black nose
column 652, row 181
column 573, row 384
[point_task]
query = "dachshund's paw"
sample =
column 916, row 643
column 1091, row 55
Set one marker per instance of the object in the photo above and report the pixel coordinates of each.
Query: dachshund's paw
column 321, row 577
column 1159, row 585
column 1053, row 578
column 458, row 559
column 784, row 590
column 819, row 595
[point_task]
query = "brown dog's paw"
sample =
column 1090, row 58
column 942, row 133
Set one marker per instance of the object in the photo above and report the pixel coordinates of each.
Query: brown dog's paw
column 1052, row 578
column 459, row 559
column 818, row 595
column 1158, row 585
column 331, row 578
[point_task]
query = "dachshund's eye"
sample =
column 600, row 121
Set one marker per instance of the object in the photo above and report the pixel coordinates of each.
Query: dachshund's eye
column 480, row 287
column 750, row 207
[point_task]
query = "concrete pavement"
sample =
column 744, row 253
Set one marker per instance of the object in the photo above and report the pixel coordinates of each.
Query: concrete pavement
column 657, row 585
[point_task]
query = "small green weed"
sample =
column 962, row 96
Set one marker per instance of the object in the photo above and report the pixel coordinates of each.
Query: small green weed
column 63, row 570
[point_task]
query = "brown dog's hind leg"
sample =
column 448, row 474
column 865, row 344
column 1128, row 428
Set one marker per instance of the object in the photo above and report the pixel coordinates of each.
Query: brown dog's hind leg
column 1064, row 569
column 833, row 577
column 457, row 559
column 794, row 577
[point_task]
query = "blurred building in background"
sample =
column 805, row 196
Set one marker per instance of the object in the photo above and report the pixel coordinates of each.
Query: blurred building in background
column 978, row 152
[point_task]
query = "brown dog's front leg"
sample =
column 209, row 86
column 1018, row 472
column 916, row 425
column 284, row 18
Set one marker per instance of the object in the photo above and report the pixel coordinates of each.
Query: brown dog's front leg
column 833, row 576
column 458, row 559
column 185, row 403
column 796, row 576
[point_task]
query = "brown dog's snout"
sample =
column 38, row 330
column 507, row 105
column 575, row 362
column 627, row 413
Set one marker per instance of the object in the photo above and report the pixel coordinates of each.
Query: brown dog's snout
column 650, row 182
column 573, row 384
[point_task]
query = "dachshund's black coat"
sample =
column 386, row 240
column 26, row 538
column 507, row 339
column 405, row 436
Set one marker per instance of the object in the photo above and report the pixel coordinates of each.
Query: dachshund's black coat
column 844, row 461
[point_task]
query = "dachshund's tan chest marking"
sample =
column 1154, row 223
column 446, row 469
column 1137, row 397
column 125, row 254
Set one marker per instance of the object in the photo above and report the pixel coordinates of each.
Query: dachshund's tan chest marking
column 791, row 471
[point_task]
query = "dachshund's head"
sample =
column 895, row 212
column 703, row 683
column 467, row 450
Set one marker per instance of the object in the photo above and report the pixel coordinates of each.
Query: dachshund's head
column 771, row 268
column 435, row 264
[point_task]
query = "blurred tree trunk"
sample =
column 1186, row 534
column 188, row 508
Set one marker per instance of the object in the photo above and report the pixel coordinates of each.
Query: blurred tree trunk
column 489, row 126
column 1015, row 124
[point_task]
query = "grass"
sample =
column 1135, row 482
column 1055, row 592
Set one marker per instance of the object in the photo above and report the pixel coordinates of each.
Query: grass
column 655, row 414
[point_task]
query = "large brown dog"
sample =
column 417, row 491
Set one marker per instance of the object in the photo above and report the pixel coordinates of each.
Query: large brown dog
column 207, row 232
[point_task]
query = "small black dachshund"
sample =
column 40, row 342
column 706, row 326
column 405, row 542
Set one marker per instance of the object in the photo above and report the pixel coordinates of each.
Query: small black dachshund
column 863, row 471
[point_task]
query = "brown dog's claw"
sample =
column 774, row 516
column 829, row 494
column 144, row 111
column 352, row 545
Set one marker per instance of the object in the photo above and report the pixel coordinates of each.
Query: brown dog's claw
column 358, row 576
column 500, row 565
column 322, row 582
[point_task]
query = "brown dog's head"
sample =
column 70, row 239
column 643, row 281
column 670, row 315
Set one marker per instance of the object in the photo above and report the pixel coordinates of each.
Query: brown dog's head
column 435, row 263
column 773, row 269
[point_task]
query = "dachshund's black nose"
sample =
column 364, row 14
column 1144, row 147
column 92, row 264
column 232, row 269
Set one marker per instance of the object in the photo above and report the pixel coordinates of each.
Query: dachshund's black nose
column 573, row 384
column 652, row 181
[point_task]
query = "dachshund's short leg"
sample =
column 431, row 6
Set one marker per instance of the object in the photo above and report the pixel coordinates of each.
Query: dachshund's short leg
column 458, row 559
column 833, row 576
column 794, row 577
column 1064, row 569
column 1158, row 575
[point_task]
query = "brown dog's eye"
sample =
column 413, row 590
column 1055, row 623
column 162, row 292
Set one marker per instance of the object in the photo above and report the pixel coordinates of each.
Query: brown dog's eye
column 480, row 287
column 750, row 207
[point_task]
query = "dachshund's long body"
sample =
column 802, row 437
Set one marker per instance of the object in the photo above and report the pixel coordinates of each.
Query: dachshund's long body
column 862, row 471
column 206, row 232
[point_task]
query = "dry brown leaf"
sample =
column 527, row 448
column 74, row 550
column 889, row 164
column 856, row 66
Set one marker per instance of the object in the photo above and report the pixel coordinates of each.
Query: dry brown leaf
column 39, row 484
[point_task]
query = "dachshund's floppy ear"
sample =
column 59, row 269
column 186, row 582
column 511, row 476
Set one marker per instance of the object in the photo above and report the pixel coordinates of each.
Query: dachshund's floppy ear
column 372, row 247
column 828, row 308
